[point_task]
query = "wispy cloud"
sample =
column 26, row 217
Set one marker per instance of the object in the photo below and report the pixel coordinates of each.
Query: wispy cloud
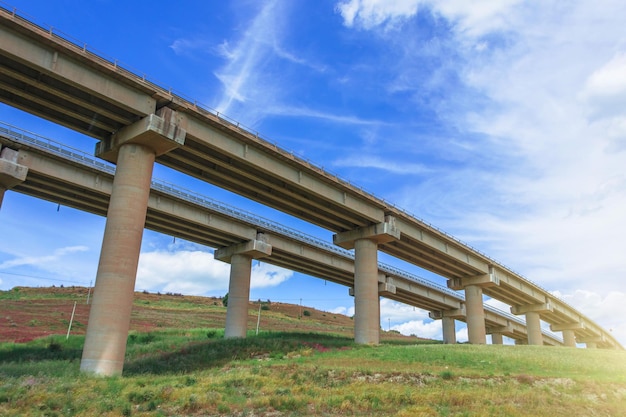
column 42, row 261
column 294, row 111
column 543, row 87
column 391, row 165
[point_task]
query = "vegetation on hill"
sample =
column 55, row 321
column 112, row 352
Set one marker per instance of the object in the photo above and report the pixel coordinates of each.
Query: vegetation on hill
column 196, row 372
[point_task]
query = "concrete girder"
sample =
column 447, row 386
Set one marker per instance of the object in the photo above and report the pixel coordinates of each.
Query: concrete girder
column 63, row 62
column 440, row 244
column 242, row 146
column 378, row 233
column 161, row 132
column 257, row 248
column 11, row 173
column 458, row 313
column 489, row 279
column 579, row 325
column 535, row 308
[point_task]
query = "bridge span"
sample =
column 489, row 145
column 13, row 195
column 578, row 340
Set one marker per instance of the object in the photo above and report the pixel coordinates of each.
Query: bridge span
column 66, row 176
column 138, row 123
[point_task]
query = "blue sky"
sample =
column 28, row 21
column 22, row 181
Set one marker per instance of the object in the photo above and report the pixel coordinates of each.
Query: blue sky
column 502, row 123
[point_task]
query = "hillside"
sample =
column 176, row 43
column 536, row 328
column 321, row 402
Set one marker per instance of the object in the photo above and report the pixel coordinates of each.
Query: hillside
column 175, row 370
column 31, row 313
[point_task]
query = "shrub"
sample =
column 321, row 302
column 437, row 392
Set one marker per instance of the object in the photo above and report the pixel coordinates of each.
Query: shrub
column 306, row 313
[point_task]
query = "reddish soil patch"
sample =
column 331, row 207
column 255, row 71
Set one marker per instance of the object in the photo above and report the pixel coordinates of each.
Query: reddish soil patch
column 30, row 313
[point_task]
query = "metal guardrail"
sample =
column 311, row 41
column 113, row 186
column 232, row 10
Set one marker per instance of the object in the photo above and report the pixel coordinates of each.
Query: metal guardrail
column 51, row 146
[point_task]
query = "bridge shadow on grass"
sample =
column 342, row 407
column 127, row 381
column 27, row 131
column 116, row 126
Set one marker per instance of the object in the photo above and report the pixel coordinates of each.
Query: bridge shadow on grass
column 50, row 350
column 215, row 353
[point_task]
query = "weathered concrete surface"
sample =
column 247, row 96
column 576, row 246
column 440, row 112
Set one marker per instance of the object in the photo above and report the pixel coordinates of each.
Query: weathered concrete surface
column 240, row 257
column 109, row 318
column 11, row 173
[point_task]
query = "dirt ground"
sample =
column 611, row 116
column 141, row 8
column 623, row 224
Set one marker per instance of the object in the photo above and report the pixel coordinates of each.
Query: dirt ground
column 30, row 313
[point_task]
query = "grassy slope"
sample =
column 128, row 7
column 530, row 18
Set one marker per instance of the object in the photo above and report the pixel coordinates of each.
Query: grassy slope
column 29, row 313
column 176, row 372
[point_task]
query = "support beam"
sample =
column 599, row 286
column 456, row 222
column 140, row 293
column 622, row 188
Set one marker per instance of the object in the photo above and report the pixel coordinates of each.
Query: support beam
column 533, row 320
column 109, row 317
column 240, row 257
column 449, row 330
column 11, row 173
column 365, row 242
column 473, row 287
column 366, row 299
column 448, row 323
column 475, row 315
column 592, row 342
column 533, row 328
column 569, row 338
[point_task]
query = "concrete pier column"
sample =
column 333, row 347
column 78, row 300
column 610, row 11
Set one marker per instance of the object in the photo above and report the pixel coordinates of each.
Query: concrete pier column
column 448, row 323
column 475, row 315
column 533, row 320
column 533, row 327
column 238, row 296
column 109, row 317
column 449, row 330
column 497, row 339
column 569, row 338
column 240, row 257
column 11, row 173
column 366, row 300
column 365, row 241
column 474, row 309
column 134, row 149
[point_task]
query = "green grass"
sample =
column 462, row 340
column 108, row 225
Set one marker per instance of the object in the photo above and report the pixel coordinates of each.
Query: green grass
column 197, row 372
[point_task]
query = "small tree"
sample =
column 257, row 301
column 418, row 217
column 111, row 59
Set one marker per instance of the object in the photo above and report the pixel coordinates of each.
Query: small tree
column 225, row 300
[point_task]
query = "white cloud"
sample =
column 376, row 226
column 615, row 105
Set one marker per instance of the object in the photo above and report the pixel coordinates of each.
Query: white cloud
column 390, row 165
column 197, row 272
column 371, row 13
column 396, row 311
column 420, row 328
column 266, row 275
column 346, row 311
column 43, row 262
column 470, row 18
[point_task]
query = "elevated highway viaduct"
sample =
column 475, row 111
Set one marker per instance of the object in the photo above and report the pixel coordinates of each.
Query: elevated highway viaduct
column 138, row 123
column 65, row 176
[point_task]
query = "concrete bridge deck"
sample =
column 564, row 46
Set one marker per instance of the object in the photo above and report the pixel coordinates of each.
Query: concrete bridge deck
column 65, row 176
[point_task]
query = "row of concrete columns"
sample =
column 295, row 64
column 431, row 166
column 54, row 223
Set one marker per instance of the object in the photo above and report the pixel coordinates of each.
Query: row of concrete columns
column 134, row 150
